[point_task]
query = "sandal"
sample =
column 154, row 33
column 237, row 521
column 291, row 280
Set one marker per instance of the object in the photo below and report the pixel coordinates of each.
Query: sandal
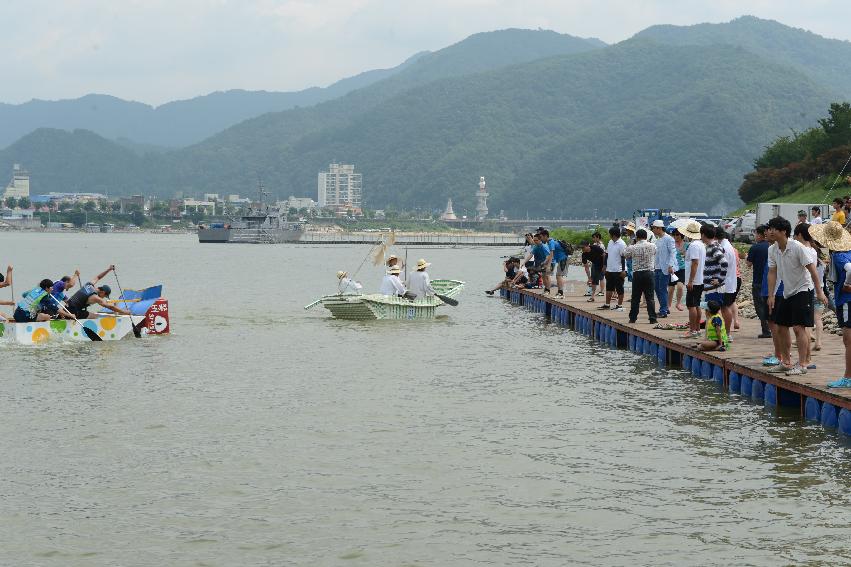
column 590, row 300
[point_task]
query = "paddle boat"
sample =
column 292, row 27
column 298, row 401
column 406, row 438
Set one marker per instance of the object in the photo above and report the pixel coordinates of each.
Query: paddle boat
column 378, row 306
column 107, row 327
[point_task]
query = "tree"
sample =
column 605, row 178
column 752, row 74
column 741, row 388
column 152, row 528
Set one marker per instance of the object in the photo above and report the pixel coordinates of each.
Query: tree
column 837, row 125
column 90, row 206
column 11, row 202
column 138, row 217
column 24, row 202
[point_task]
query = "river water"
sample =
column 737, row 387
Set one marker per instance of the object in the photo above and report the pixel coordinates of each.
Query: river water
column 259, row 433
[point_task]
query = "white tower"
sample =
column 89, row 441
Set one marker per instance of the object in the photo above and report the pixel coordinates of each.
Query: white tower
column 448, row 214
column 482, row 198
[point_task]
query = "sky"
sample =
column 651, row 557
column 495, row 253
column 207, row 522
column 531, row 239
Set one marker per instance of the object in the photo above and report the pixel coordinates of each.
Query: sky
column 155, row 51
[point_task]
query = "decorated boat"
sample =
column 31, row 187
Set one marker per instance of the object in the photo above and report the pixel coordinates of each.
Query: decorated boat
column 378, row 306
column 107, row 327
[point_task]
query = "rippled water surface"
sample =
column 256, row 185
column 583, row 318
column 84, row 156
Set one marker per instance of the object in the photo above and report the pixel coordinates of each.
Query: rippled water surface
column 262, row 434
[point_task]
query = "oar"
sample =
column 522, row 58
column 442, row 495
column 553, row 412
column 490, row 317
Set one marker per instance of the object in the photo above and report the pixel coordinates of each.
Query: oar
column 447, row 300
column 137, row 328
column 88, row 332
column 315, row 303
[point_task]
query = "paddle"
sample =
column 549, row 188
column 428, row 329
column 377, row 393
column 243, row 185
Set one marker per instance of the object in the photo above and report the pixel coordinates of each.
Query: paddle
column 137, row 328
column 447, row 300
column 315, row 303
column 88, row 332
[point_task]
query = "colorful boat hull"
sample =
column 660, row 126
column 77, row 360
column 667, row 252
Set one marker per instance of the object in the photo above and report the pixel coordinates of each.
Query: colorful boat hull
column 107, row 328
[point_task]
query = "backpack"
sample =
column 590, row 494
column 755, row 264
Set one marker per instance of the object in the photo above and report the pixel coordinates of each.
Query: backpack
column 566, row 246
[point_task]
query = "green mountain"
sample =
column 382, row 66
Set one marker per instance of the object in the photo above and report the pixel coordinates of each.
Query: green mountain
column 174, row 124
column 828, row 61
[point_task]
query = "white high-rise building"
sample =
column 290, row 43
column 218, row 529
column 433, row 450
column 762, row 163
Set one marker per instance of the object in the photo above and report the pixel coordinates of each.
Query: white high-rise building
column 340, row 187
column 20, row 184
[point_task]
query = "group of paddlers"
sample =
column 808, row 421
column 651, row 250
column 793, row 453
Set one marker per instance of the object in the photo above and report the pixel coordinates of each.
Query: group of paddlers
column 418, row 283
column 49, row 300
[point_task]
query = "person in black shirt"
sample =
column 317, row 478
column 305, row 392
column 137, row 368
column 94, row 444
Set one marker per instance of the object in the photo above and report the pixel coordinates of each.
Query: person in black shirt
column 757, row 257
column 593, row 259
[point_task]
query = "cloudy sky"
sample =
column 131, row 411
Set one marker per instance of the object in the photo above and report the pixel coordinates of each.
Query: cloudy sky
column 159, row 50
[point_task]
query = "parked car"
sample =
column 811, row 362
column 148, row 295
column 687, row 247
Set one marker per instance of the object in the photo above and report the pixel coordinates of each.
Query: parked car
column 743, row 228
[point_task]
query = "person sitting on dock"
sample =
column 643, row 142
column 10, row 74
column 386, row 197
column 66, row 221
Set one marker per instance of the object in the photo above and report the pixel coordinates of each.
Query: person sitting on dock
column 391, row 284
column 7, row 281
column 510, row 269
column 615, row 269
column 90, row 295
column 419, row 283
column 695, row 263
column 521, row 275
column 837, row 240
column 346, row 285
column 788, row 261
column 643, row 256
column 716, row 331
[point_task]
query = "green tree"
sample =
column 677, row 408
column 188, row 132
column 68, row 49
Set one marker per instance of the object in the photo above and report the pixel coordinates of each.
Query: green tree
column 90, row 206
column 837, row 125
column 24, row 202
column 11, row 202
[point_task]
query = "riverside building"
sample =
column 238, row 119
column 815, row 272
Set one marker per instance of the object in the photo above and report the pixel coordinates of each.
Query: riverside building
column 20, row 184
column 341, row 189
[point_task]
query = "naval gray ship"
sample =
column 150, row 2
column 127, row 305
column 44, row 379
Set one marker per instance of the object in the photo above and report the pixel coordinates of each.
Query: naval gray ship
column 261, row 225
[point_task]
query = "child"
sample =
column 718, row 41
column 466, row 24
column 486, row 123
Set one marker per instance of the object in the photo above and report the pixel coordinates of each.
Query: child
column 716, row 332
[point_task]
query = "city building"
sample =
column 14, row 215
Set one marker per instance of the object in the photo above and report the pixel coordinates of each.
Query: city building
column 297, row 203
column 20, row 184
column 341, row 189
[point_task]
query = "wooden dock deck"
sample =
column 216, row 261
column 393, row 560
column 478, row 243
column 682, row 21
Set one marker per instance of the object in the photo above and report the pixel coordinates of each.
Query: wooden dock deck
column 738, row 370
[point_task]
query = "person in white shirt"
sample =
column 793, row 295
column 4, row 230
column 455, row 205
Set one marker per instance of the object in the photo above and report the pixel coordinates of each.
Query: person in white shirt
column 419, row 283
column 615, row 269
column 347, row 285
column 695, row 261
column 816, row 216
column 789, row 261
column 391, row 284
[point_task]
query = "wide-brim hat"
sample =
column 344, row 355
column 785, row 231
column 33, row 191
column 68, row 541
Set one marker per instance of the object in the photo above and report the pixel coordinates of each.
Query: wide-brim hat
column 392, row 257
column 630, row 227
column 691, row 230
column 422, row 264
column 394, row 270
column 657, row 224
column 341, row 274
column 831, row 235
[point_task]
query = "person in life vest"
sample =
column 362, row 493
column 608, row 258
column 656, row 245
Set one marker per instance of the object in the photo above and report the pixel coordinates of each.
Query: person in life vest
column 28, row 310
column 7, row 281
column 89, row 295
column 58, row 293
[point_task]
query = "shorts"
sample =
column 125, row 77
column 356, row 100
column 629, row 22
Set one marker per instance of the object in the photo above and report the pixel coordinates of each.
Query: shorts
column 681, row 277
column 728, row 299
column 23, row 316
column 796, row 311
column 693, row 295
column 843, row 316
column 79, row 313
column 561, row 268
column 614, row 282
column 778, row 301
column 596, row 274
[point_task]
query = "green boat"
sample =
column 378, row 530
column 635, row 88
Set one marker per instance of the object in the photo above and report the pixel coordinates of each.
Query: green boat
column 378, row 306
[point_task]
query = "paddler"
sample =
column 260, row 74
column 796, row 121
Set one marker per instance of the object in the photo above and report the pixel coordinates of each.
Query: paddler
column 347, row 285
column 58, row 293
column 89, row 295
column 393, row 260
column 7, row 281
column 391, row 284
column 419, row 282
column 28, row 310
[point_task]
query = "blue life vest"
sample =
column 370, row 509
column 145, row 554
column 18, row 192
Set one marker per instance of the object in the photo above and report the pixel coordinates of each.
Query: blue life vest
column 32, row 299
column 841, row 297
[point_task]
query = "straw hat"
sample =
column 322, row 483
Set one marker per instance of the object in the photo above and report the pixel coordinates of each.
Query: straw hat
column 341, row 274
column 691, row 230
column 422, row 264
column 831, row 235
column 630, row 227
column 394, row 270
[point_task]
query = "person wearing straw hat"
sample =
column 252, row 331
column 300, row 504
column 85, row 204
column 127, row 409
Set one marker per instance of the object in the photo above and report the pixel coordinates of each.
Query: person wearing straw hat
column 418, row 282
column 391, row 284
column 836, row 239
column 347, row 285
column 695, row 260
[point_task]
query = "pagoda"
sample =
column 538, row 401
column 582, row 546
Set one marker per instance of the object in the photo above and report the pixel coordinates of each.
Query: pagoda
column 448, row 214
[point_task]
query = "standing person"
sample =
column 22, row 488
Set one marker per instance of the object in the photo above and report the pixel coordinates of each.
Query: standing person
column 542, row 256
column 643, row 256
column 802, row 235
column 838, row 211
column 593, row 259
column 391, row 284
column 347, row 285
column 665, row 264
column 558, row 262
column 419, row 282
column 837, row 240
column 731, row 280
column 788, row 261
column 782, row 354
column 89, row 295
column 678, row 284
column 597, row 240
column 816, row 216
column 615, row 269
column 802, row 217
column 757, row 258
column 715, row 267
column 695, row 264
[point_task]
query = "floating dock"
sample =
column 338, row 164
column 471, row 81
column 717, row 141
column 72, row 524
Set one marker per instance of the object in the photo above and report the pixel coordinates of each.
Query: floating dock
column 738, row 371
